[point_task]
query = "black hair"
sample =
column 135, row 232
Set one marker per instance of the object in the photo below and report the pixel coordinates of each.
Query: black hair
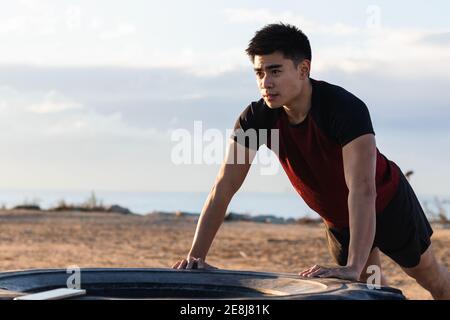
column 285, row 38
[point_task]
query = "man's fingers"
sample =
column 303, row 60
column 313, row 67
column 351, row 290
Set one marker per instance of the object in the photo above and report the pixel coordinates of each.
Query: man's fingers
column 318, row 272
column 306, row 272
column 323, row 272
column 176, row 264
column 183, row 264
column 313, row 271
column 191, row 263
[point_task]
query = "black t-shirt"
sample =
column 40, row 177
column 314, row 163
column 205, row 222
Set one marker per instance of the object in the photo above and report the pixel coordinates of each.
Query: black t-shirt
column 311, row 151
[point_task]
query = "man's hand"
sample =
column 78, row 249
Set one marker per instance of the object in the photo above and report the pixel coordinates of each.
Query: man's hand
column 192, row 263
column 346, row 273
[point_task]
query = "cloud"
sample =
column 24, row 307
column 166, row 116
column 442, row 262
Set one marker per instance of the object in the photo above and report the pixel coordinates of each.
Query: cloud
column 144, row 97
column 30, row 116
column 81, row 149
column 27, row 19
column 153, row 97
column 86, row 36
column 54, row 102
column 395, row 50
column 121, row 30
column 120, row 136
column 437, row 39
column 264, row 16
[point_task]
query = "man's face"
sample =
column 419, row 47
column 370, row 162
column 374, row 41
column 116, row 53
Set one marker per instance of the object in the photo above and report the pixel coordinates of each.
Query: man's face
column 279, row 80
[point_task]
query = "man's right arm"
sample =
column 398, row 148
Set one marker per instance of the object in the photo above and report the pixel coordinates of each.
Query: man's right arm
column 232, row 174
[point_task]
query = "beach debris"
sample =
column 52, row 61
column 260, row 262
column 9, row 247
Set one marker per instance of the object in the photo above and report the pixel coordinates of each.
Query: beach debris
column 231, row 216
column 118, row 209
column 27, row 204
column 90, row 205
column 243, row 254
column 179, row 213
column 27, row 207
column 269, row 219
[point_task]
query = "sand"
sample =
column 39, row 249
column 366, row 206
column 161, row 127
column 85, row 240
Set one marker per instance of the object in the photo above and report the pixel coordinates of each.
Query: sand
column 39, row 239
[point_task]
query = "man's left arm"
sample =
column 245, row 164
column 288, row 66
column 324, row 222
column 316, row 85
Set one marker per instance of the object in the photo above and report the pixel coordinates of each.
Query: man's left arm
column 359, row 158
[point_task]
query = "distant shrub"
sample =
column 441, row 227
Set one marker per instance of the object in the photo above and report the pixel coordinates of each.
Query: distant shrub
column 32, row 204
column 438, row 216
column 92, row 204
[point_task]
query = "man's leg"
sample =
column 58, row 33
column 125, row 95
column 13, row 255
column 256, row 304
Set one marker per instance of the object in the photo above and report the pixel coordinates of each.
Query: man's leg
column 431, row 275
column 373, row 260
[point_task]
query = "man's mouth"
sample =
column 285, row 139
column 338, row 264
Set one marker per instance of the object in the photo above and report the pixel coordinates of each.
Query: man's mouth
column 270, row 96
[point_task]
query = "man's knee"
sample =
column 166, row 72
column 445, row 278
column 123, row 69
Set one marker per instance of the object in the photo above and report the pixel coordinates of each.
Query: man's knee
column 430, row 274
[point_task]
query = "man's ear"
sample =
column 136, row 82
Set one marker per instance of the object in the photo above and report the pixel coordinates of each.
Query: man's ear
column 304, row 69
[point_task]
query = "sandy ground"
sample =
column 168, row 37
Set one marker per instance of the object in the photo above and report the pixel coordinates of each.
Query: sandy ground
column 39, row 239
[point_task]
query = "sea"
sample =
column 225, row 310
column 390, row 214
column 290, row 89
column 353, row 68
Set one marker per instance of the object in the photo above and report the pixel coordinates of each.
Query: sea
column 283, row 205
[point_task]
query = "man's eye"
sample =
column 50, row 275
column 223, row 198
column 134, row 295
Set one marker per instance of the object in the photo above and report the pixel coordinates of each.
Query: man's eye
column 276, row 71
column 259, row 74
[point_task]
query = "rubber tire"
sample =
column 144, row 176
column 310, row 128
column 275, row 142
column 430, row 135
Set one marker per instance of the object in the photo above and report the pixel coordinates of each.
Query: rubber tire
column 131, row 283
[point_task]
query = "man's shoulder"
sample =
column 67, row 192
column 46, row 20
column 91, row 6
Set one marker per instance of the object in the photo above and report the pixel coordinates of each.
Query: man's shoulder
column 334, row 95
column 339, row 113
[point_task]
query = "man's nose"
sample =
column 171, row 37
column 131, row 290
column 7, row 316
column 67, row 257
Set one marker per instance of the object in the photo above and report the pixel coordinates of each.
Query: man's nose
column 266, row 82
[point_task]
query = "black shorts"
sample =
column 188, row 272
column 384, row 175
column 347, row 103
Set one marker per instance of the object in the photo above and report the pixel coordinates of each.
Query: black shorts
column 402, row 231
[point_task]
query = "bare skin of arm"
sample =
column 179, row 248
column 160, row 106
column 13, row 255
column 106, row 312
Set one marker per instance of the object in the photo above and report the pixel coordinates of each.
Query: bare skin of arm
column 231, row 175
column 359, row 158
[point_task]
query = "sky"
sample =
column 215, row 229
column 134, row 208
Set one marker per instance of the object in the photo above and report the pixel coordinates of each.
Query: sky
column 91, row 92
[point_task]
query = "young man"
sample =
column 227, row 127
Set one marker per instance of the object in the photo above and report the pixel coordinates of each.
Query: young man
column 326, row 145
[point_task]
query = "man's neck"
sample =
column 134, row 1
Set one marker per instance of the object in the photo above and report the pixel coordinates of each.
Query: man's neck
column 299, row 108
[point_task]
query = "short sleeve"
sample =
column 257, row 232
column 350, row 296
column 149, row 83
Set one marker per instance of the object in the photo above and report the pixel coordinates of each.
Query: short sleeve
column 351, row 120
column 249, row 130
